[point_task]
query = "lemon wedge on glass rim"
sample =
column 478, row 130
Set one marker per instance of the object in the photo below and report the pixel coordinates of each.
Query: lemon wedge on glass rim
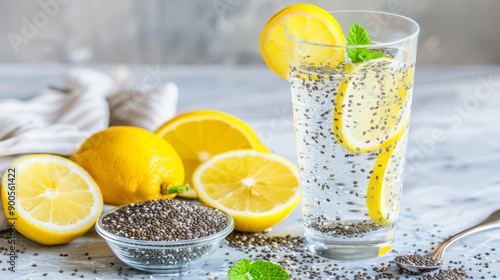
column 372, row 106
column 305, row 22
column 257, row 189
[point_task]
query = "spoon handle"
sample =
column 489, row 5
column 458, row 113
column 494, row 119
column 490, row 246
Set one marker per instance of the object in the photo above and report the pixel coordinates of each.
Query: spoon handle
column 492, row 221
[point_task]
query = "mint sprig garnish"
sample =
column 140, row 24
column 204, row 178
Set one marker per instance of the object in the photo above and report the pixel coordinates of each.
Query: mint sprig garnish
column 258, row 270
column 357, row 36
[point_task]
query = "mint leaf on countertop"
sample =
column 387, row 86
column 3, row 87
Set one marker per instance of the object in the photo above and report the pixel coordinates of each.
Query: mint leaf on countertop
column 258, row 270
column 268, row 271
column 238, row 270
column 357, row 36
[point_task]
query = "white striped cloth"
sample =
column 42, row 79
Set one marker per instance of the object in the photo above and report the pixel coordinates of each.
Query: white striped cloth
column 58, row 121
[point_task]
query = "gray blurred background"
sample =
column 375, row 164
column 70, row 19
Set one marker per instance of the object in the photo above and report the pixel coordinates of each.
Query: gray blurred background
column 219, row 31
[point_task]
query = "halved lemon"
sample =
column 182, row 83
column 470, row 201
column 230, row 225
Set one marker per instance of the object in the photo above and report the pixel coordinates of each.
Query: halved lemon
column 257, row 189
column 305, row 22
column 54, row 200
column 372, row 106
column 199, row 135
column 385, row 185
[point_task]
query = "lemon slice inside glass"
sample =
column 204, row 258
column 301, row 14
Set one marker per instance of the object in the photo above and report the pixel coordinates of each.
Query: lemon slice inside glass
column 372, row 106
column 385, row 185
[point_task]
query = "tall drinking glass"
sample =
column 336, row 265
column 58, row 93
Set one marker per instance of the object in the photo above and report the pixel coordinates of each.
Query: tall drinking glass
column 351, row 129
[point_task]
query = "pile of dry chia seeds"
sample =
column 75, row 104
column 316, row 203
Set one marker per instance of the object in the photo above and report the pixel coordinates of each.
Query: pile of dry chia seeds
column 165, row 220
column 417, row 260
column 449, row 274
column 291, row 253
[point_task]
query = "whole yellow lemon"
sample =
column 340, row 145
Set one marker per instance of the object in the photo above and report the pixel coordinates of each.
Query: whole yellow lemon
column 131, row 165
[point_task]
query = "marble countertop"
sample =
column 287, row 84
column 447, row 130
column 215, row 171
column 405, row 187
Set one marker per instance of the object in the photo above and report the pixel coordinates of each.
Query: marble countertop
column 452, row 180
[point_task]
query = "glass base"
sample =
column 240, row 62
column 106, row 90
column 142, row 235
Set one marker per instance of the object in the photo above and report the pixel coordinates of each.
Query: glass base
column 170, row 270
column 370, row 246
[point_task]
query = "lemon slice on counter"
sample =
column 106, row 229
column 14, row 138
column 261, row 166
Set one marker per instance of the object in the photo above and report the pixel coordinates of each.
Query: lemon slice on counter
column 372, row 107
column 257, row 189
column 199, row 135
column 305, row 22
column 55, row 200
column 385, row 185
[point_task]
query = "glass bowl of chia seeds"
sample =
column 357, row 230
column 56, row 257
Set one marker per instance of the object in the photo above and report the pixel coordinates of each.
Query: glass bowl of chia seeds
column 164, row 236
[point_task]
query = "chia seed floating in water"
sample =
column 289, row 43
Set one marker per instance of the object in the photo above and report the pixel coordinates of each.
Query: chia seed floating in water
column 335, row 199
column 164, row 220
column 417, row 260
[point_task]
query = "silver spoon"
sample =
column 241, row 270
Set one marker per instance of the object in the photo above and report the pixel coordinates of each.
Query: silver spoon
column 493, row 221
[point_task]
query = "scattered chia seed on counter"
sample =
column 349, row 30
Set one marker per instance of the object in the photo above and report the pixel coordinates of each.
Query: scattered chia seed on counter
column 445, row 274
column 290, row 252
column 165, row 220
